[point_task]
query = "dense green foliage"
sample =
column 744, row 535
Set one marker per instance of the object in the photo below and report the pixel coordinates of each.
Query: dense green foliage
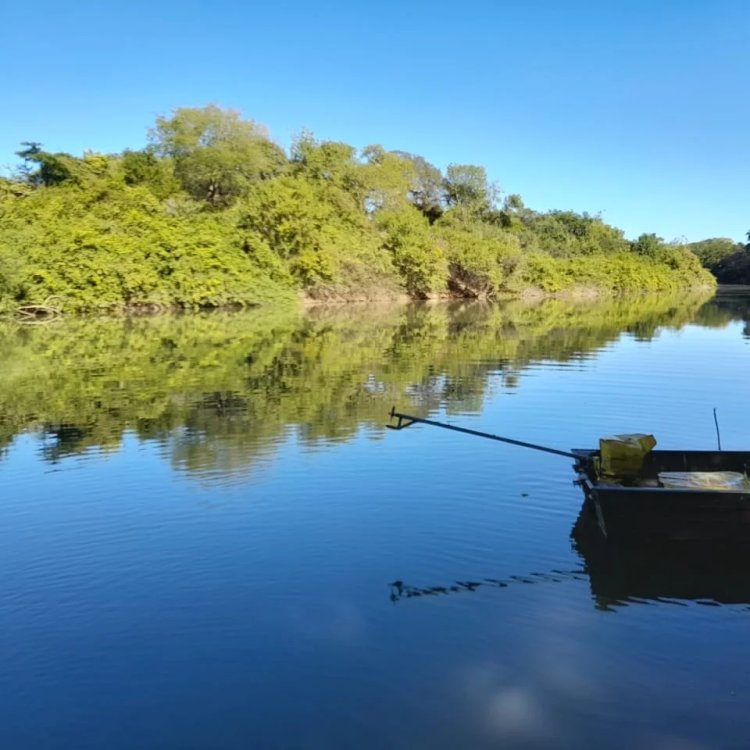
column 713, row 251
column 213, row 212
column 216, row 389
column 728, row 261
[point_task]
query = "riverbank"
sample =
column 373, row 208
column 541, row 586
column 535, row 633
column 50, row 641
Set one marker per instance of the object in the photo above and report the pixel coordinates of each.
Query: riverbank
column 578, row 294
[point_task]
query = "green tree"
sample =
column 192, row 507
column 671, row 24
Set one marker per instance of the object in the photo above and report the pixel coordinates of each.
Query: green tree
column 712, row 251
column 329, row 164
column 144, row 168
column 482, row 257
column 387, row 178
column 415, row 252
column 649, row 245
column 49, row 169
column 311, row 228
column 212, row 213
column 427, row 190
column 216, row 154
column 467, row 188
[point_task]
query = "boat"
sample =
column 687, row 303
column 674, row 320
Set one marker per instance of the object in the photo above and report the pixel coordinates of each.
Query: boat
column 708, row 497
column 643, row 508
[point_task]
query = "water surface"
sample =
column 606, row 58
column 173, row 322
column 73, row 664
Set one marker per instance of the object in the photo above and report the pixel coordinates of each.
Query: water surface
column 202, row 516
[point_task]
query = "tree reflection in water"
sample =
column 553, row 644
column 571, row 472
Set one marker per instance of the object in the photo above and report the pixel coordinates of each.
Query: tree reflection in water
column 218, row 391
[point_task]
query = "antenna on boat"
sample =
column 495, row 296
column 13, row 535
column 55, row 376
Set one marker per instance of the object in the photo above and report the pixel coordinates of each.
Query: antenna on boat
column 718, row 434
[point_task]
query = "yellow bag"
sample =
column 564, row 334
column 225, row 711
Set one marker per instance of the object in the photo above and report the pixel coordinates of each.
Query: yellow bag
column 622, row 455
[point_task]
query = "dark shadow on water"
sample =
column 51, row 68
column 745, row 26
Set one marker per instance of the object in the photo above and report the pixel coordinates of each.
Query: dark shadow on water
column 706, row 573
column 401, row 590
column 731, row 303
column 679, row 573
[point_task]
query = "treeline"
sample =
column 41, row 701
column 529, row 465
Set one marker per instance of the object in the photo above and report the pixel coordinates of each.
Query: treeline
column 728, row 261
column 214, row 213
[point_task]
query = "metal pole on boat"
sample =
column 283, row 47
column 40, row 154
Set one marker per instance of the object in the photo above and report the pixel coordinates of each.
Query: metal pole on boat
column 406, row 420
column 718, row 434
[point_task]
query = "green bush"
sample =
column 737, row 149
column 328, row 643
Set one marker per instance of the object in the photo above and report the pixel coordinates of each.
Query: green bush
column 213, row 213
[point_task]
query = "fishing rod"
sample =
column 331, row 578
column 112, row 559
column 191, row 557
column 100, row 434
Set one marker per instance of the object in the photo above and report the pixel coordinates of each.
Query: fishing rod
column 407, row 420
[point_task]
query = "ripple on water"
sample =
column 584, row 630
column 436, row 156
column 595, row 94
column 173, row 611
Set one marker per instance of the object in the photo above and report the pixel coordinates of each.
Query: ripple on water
column 209, row 537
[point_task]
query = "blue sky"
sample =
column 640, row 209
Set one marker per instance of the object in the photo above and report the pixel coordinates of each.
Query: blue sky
column 638, row 110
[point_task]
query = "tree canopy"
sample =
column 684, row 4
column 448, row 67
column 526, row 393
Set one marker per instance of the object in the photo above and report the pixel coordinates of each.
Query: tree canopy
column 216, row 154
column 214, row 212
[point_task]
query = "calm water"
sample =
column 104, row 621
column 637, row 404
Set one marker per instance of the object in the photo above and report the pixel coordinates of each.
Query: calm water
column 201, row 516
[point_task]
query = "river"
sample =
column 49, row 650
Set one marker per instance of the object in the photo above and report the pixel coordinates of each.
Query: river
column 210, row 540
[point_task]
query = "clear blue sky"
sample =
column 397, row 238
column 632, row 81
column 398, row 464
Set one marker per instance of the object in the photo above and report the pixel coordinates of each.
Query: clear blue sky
column 636, row 109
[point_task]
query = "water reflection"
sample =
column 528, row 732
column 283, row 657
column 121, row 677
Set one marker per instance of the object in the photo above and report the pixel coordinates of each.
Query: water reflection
column 666, row 572
column 217, row 392
column 731, row 303
column 400, row 590
column 622, row 574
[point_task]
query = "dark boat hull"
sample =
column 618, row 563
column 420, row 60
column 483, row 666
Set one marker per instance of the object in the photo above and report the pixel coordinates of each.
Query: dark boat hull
column 627, row 512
